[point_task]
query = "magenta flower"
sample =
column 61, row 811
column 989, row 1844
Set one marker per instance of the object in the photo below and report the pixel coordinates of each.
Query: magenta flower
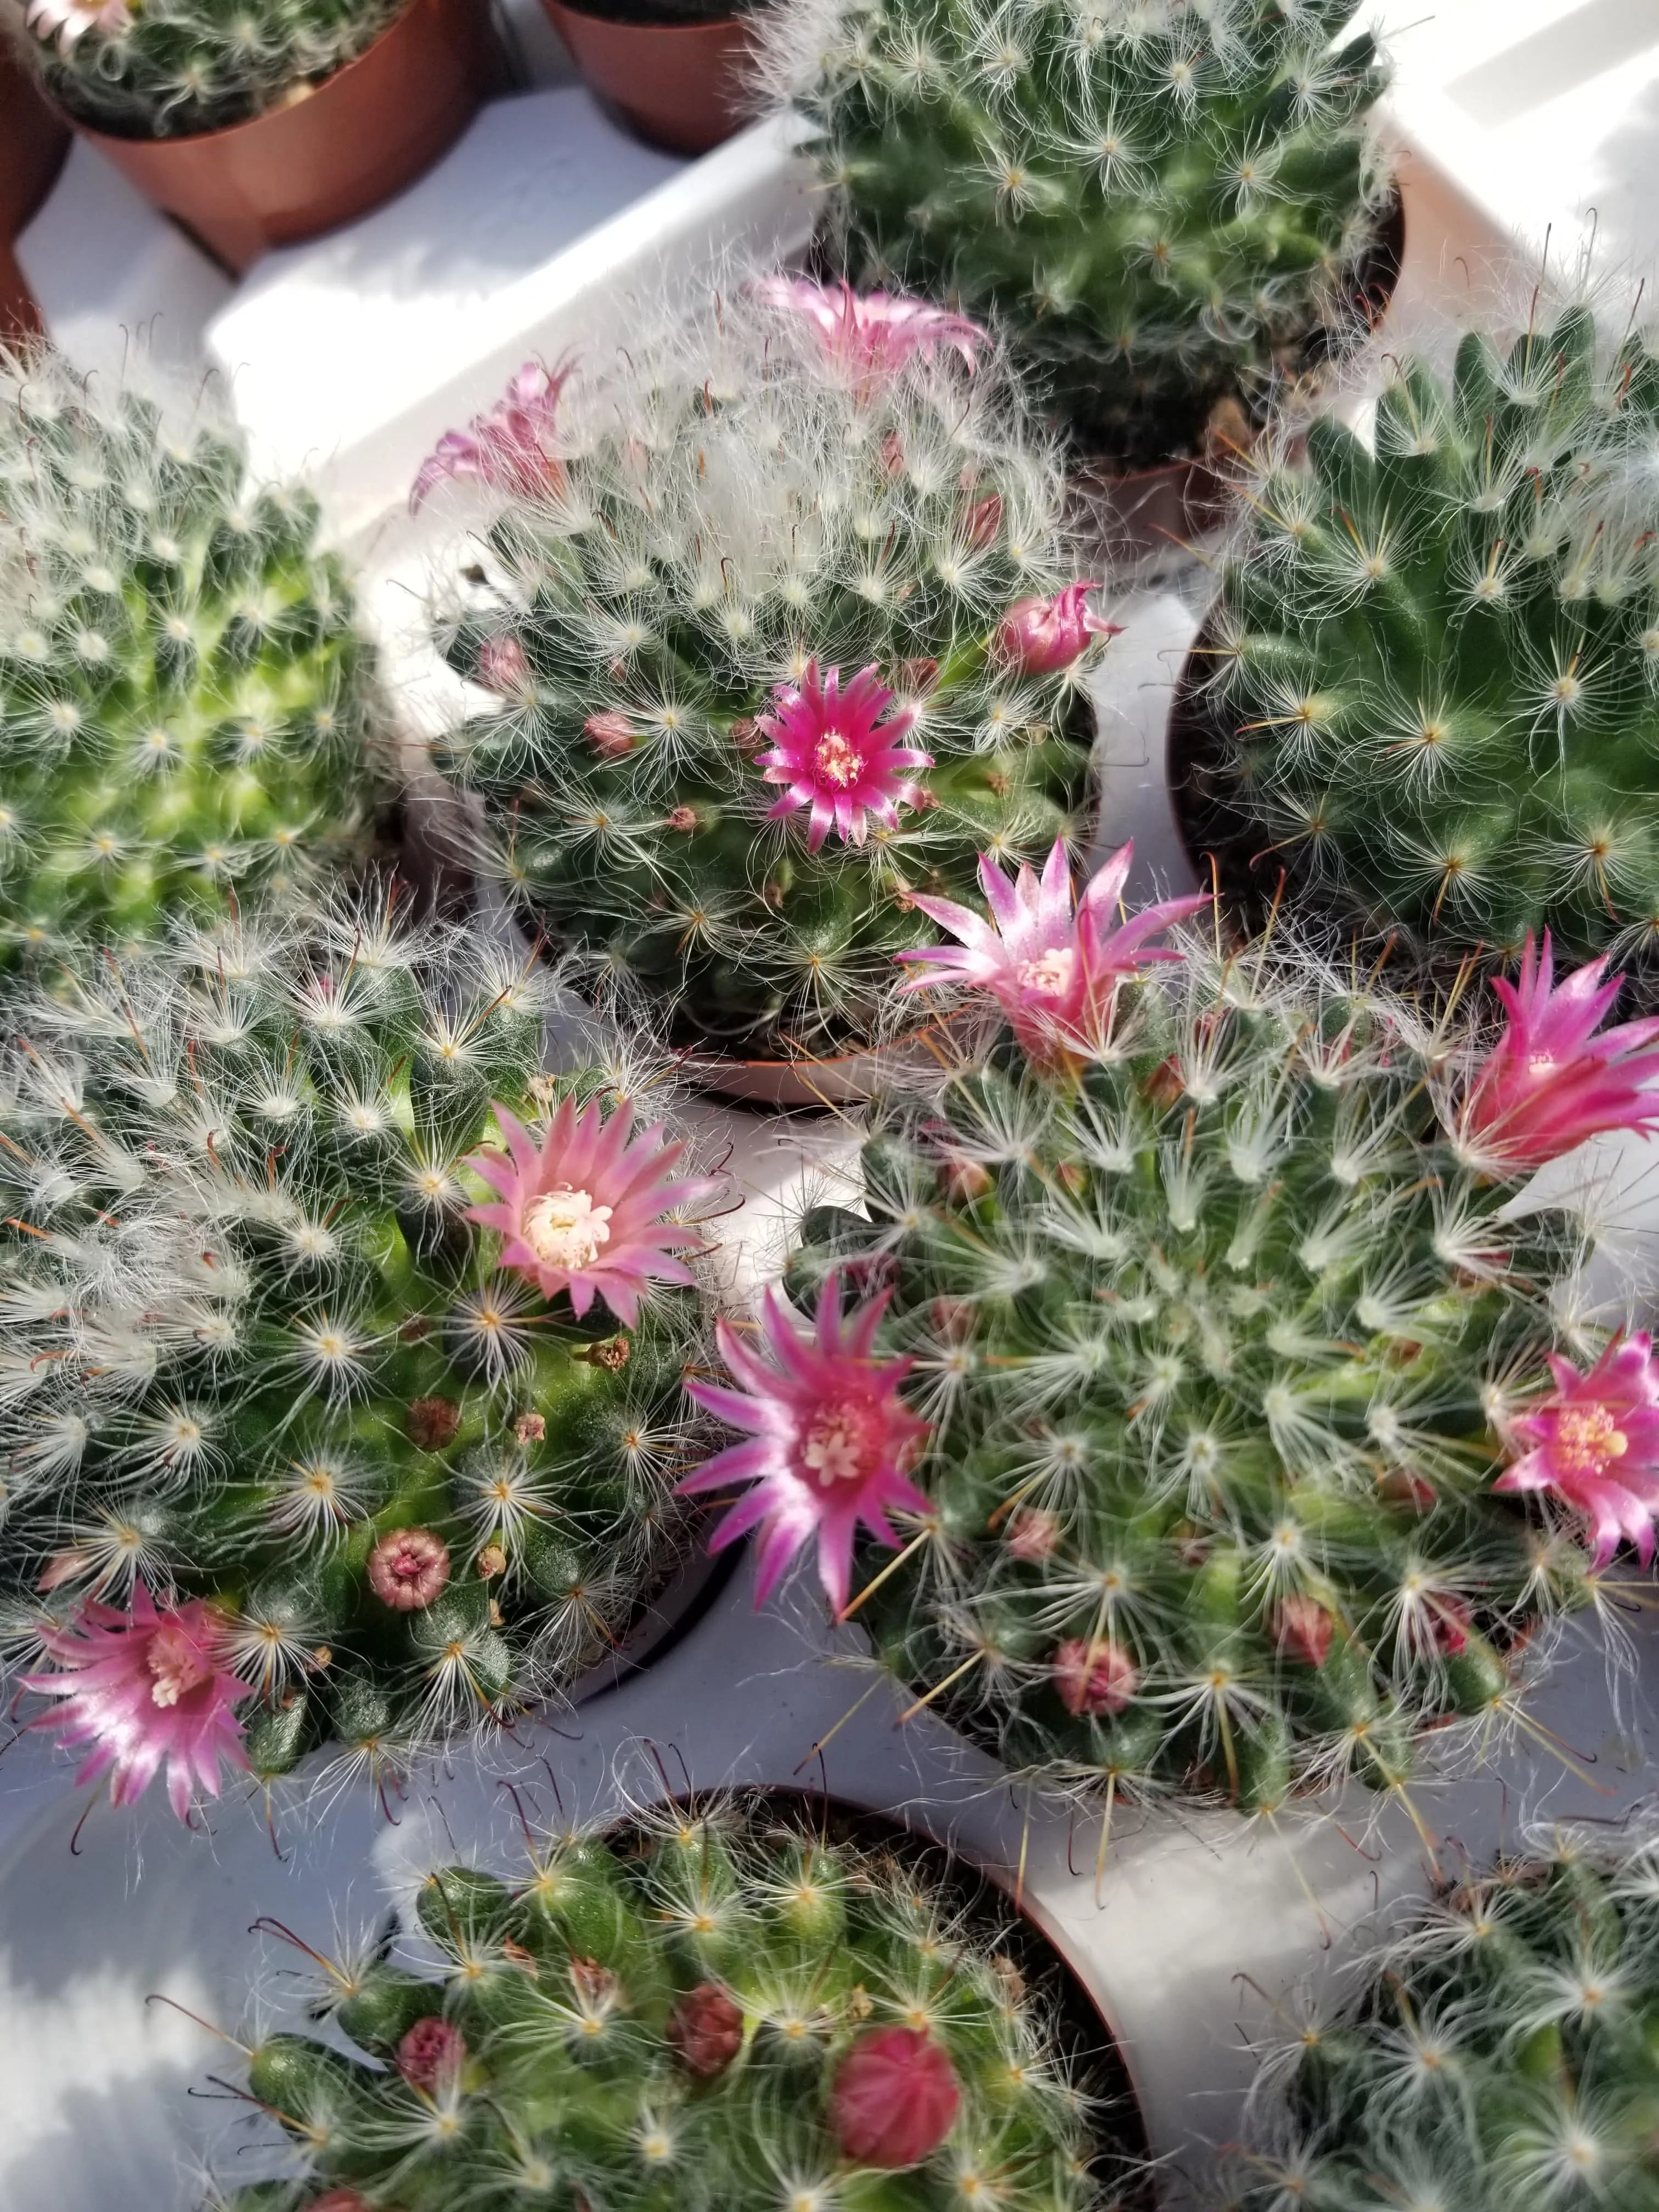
column 1054, row 972
column 585, row 1214
column 835, row 754
column 507, row 448
column 1036, row 637
column 832, row 1439
column 143, row 1687
column 1549, row 1082
column 872, row 333
column 1596, row 1444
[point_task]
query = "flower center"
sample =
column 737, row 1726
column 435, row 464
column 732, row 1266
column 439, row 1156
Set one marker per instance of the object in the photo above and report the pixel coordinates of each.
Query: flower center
column 836, row 761
column 565, row 1229
column 1587, row 1437
column 843, row 1443
column 173, row 1660
column 1050, row 976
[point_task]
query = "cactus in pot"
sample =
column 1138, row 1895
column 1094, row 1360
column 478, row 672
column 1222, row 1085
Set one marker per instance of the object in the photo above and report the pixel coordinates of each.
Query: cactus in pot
column 342, row 1350
column 1163, row 204
column 1197, row 1372
column 1434, row 655
column 1501, row 2055
column 779, row 632
column 716, row 2008
column 187, row 714
column 176, row 69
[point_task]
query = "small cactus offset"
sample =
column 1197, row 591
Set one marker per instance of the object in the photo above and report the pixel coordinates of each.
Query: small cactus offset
column 187, row 714
column 342, row 1350
column 1502, row 2059
column 1161, row 203
column 1438, row 662
column 172, row 69
column 718, row 2011
column 1224, row 1344
column 781, row 635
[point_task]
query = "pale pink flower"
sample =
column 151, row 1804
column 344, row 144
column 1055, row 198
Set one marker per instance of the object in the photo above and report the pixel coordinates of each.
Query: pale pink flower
column 831, row 1439
column 1037, row 637
column 144, row 1687
column 894, row 2099
column 409, row 1569
column 1549, row 1082
column 872, row 334
column 585, row 1215
column 506, row 448
column 67, row 21
column 835, row 754
column 431, row 2054
column 1596, row 1444
column 1094, row 1678
column 1054, row 972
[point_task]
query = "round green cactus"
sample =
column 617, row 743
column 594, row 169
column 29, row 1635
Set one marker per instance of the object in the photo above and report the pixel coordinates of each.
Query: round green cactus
column 267, row 1375
column 1220, row 1337
column 1436, row 663
column 172, row 69
column 1502, row 2059
column 186, row 711
column 1161, row 203
column 715, row 2010
column 716, row 552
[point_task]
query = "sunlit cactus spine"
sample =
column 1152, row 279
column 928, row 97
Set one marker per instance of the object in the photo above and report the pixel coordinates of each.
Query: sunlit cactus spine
column 1502, row 2055
column 1436, row 661
column 714, row 2011
column 172, row 69
column 1161, row 203
column 782, row 632
column 329, row 1420
column 1233, row 1361
column 187, row 713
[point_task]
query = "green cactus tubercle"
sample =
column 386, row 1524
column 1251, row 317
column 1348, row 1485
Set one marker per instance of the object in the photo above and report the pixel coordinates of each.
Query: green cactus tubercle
column 1217, row 1344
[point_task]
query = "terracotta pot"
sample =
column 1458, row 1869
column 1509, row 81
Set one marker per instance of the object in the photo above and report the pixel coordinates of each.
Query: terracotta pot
column 33, row 144
column 357, row 139
column 681, row 85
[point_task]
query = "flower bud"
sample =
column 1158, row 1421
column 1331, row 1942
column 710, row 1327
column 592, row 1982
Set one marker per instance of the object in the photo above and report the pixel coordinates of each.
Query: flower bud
column 895, row 2098
column 611, row 734
column 1032, row 1533
column 1303, row 1630
column 1038, row 637
column 1094, row 1678
column 502, row 668
column 432, row 2052
column 409, row 1569
column 705, row 2030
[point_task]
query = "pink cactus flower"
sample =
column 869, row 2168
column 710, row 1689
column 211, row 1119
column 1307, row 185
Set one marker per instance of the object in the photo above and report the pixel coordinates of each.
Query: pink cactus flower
column 506, row 448
column 832, row 1439
column 143, row 1687
column 1549, row 1082
column 1054, row 972
column 68, row 22
column 835, row 754
column 431, row 2054
column 1094, row 1678
column 1038, row 637
column 872, row 334
column 585, row 1215
column 409, row 1569
column 1596, row 1444
column 895, row 2098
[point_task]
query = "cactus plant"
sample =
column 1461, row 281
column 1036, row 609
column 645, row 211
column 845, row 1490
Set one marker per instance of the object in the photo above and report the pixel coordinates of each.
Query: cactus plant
column 778, row 639
column 1162, row 202
column 1501, row 2054
column 171, row 69
column 718, row 2009
column 1435, row 661
column 1226, row 1341
column 303, row 1445
column 188, row 715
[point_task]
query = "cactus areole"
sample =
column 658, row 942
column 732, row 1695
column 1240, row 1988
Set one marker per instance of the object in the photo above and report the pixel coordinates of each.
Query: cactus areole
column 783, row 636
column 313, row 1450
column 741, row 2007
column 1165, row 206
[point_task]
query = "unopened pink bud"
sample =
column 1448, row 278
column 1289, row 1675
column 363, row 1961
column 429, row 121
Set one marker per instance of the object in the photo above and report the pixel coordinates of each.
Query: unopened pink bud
column 529, row 1428
column 681, row 818
column 1094, row 1678
column 1038, row 637
column 1303, row 1630
column 1451, row 1625
column 982, row 522
column 409, row 1569
column 432, row 2052
column 504, row 668
column 705, row 2030
column 1032, row 1533
column 611, row 734
column 895, row 2098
